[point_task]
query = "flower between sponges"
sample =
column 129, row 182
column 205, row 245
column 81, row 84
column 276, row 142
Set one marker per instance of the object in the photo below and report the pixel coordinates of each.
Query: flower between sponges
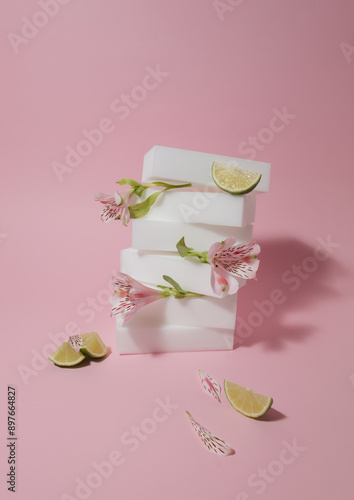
column 117, row 206
column 228, row 261
column 130, row 295
column 124, row 206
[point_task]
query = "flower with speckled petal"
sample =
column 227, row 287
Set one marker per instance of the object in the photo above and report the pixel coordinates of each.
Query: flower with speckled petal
column 117, row 206
column 229, row 261
column 130, row 296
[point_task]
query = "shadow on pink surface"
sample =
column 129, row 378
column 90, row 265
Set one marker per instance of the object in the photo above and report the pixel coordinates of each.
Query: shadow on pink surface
column 272, row 415
column 292, row 277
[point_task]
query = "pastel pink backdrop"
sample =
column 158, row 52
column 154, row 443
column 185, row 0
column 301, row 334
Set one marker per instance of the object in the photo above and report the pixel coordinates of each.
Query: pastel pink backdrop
column 223, row 77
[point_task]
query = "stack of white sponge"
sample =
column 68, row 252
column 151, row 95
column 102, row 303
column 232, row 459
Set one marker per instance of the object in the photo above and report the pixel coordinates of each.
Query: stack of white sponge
column 203, row 215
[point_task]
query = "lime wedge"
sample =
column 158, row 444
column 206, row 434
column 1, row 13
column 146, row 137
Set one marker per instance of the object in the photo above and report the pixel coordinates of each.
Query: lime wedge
column 233, row 179
column 244, row 400
column 93, row 345
column 65, row 355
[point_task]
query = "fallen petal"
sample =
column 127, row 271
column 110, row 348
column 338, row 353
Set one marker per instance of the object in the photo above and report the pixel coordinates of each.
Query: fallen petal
column 212, row 442
column 76, row 342
column 210, row 385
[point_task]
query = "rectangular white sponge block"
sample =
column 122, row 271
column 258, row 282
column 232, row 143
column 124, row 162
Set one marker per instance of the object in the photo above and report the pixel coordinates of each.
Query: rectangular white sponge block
column 206, row 312
column 148, row 267
column 137, row 338
column 164, row 235
column 179, row 165
column 220, row 209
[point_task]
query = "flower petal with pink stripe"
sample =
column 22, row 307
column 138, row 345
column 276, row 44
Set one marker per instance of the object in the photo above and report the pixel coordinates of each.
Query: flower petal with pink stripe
column 210, row 385
column 213, row 443
column 76, row 342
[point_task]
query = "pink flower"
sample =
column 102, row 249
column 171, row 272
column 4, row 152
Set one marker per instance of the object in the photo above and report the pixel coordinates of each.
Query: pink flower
column 111, row 208
column 229, row 261
column 116, row 206
column 130, row 296
column 129, row 198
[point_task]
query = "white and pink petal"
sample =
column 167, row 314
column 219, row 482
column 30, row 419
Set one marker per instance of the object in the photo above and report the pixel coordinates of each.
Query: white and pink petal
column 215, row 248
column 243, row 269
column 121, row 282
column 110, row 212
column 103, row 198
column 210, row 385
column 222, row 282
column 122, row 309
column 213, row 443
column 76, row 342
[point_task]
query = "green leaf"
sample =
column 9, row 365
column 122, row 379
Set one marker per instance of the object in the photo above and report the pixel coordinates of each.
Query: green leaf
column 141, row 209
column 129, row 182
column 169, row 186
column 182, row 248
column 172, row 282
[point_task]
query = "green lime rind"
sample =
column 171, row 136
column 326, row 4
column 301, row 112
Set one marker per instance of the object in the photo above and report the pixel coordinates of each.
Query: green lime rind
column 91, row 354
column 93, row 345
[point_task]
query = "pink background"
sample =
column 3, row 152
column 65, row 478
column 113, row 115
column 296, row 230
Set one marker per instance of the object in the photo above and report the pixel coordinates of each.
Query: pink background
column 226, row 75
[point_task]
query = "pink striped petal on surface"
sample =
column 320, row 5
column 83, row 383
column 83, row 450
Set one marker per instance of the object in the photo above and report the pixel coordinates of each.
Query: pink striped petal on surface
column 210, row 385
column 76, row 342
column 213, row 443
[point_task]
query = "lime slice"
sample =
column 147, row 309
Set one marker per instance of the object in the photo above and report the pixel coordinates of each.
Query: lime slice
column 246, row 401
column 233, row 179
column 93, row 345
column 65, row 355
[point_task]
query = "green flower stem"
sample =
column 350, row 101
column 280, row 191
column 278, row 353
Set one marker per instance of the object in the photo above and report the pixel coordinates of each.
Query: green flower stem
column 192, row 294
column 141, row 209
column 181, row 295
column 165, row 185
column 202, row 256
column 176, row 289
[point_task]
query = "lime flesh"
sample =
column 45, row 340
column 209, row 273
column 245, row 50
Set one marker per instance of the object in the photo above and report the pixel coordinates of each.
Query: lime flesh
column 246, row 401
column 234, row 180
column 65, row 355
column 93, row 345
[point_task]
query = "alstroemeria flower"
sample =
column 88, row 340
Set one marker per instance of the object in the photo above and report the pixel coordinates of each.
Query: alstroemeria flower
column 111, row 209
column 130, row 296
column 124, row 206
column 116, row 206
column 229, row 261
column 129, row 198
